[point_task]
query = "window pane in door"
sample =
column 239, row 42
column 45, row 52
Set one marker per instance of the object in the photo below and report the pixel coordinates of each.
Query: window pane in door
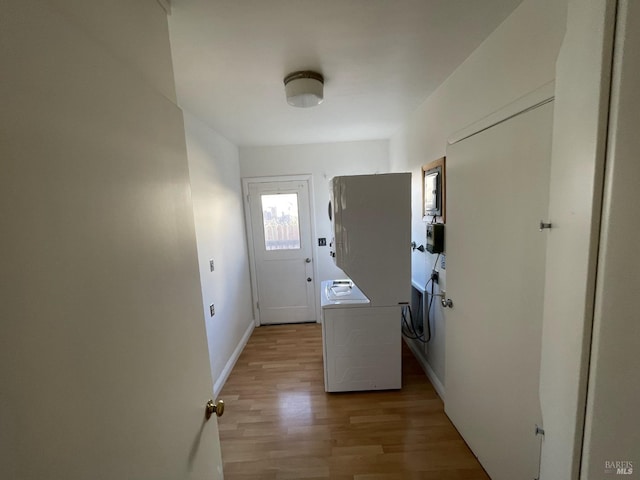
column 280, row 219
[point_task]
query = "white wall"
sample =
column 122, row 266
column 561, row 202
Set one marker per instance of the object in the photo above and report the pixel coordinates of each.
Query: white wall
column 139, row 42
column 323, row 161
column 217, row 204
column 518, row 57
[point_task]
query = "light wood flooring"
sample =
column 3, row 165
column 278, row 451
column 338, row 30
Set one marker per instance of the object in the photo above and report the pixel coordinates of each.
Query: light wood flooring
column 280, row 424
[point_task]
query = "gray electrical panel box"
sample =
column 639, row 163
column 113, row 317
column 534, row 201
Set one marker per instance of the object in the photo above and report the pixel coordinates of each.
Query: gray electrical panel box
column 435, row 237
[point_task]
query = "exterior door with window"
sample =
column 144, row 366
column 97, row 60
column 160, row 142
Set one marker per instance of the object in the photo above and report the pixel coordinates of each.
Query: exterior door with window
column 280, row 231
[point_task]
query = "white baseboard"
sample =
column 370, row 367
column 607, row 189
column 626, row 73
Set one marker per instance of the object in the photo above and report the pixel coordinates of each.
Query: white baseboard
column 431, row 375
column 226, row 371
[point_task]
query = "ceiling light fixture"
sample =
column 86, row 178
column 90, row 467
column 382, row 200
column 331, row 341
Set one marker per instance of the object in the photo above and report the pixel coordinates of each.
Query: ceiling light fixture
column 304, row 88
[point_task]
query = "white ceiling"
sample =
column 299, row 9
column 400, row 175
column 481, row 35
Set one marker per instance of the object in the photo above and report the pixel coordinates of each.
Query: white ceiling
column 380, row 60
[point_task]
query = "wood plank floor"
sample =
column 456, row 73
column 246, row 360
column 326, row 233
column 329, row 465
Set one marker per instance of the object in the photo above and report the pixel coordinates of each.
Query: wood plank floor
column 280, row 424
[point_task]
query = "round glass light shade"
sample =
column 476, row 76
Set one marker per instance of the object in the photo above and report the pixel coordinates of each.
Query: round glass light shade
column 304, row 89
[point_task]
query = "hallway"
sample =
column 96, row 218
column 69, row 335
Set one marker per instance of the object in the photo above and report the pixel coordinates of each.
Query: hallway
column 280, row 424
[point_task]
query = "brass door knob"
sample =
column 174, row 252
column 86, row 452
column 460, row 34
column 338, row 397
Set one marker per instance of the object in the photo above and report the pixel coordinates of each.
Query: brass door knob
column 211, row 408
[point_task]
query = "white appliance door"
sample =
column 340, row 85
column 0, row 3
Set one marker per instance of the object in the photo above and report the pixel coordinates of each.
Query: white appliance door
column 362, row 348
column 497, row 187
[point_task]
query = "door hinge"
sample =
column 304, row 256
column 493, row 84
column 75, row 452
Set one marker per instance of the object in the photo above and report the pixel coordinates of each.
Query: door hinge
column 257, row 305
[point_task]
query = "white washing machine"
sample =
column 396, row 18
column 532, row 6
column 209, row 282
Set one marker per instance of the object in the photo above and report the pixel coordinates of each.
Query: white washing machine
column 361, row 343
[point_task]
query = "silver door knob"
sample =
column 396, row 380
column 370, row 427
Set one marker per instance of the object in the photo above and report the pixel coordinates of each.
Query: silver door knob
column 307, row 260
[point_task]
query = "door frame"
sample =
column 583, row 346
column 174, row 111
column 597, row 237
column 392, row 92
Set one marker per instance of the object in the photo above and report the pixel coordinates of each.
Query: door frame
column 246, row 183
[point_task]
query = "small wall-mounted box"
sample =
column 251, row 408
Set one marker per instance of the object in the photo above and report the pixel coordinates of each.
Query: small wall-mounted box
column 435, row 237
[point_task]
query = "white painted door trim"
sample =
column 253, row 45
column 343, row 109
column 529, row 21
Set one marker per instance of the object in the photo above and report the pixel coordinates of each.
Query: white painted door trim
column 246, row 182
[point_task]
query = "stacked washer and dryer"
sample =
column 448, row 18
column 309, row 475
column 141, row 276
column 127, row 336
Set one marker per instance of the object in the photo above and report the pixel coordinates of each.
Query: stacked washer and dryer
column 361, row 315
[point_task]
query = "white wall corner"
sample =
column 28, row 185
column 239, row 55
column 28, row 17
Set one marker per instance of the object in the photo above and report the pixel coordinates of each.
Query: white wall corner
column 431, row 375
column 166, row 4
column 226, row 371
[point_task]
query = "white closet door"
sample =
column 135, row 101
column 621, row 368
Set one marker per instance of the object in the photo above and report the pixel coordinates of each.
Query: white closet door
column 497, row 193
